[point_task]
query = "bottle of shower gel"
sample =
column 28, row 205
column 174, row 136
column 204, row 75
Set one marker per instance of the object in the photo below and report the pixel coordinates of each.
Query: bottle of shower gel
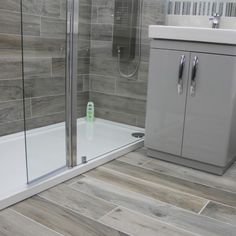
column 90, row 112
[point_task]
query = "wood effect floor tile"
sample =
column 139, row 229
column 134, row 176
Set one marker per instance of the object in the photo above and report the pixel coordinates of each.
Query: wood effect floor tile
column 183, row 185
column 140, row 225
column 62, row 219
column 77, row 201
column 220, row 212
column 142, row 204
column 155, row 191
column 226, row 182
column 12, row 223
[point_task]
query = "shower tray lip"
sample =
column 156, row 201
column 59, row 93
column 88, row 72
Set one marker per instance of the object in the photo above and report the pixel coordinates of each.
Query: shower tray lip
column 64, row 174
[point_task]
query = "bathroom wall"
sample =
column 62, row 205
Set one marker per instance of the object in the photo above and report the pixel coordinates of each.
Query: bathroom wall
column 197, row 13
column 44, row 48
column 44, row 32
column 44, row 41
column 11, row 95
column 116, row 98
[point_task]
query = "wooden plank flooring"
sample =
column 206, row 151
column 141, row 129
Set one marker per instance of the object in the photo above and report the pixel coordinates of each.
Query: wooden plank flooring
column 133, row 195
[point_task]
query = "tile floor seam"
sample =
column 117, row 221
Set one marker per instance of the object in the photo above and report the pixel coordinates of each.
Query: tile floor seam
column 204, row 207
column 108, row 213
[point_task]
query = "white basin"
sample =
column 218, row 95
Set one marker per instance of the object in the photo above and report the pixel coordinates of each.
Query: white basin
column 222, row 36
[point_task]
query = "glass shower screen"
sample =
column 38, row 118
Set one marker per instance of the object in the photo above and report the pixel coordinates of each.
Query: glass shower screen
column 45, row 85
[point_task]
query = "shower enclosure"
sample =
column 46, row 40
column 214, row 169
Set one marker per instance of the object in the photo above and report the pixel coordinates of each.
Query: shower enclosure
column 55, row 57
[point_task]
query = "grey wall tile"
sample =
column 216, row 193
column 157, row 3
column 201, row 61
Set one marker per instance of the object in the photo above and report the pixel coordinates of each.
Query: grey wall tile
column 10, row 45
column 102, row 84
column 37, row 67
column 45, row 120
column 86, row 83
column 10, row 68
column 63, row 9
column 108, row 3
column 32, row 6
column 49, row 8
column 116, row 116
column 131, row 89
column 31, row 25
column 48, row 105
column 10, row 90
column 84, row 31
column 11, row 127
column 101, row 32
column 103, row 66
column 141, row 121
column 101, row 49
column 58, row 67
column 10, row 22
column 44, row 87
column 11, row 5
column 82, row 99
column 83, row 65
column 143, row 71
column 118, row 103
column 12, row 111
column 80, row 83
column 84, row 13
column 43, row 47
column 53, row 28
column 105, row 14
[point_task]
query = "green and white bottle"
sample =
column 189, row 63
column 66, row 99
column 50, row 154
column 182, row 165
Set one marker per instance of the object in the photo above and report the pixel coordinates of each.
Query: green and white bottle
column 90, row 112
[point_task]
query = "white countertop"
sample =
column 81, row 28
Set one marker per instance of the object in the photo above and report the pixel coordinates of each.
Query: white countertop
column 221, row 36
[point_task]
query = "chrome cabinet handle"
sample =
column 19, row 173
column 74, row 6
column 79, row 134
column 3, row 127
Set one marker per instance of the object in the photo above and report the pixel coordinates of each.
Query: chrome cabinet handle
column 180, row 77
column 193, row 76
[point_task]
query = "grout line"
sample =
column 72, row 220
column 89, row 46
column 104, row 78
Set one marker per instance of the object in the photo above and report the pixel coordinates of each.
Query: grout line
column 204, row 207
column 108, row 213
column 36, row 222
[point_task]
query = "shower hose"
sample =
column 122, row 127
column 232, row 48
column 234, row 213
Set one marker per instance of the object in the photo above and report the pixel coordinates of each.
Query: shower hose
column 122, row 74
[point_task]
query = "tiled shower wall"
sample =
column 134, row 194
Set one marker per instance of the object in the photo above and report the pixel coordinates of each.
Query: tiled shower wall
column 11, row 93
column 44, row 29
column 116, row 98
column 44, row 41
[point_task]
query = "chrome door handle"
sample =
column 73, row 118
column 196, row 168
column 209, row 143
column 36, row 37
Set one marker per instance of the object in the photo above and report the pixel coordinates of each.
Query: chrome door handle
column 180, row 77
column 193, row 76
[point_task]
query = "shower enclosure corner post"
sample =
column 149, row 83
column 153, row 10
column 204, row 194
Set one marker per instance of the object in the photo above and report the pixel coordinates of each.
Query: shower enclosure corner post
column 71, row 82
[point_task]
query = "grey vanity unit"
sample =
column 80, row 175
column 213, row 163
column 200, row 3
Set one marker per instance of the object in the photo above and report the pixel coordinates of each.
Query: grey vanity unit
column 191, row 108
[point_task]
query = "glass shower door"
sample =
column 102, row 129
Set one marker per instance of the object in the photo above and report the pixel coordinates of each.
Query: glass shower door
column 44, row 26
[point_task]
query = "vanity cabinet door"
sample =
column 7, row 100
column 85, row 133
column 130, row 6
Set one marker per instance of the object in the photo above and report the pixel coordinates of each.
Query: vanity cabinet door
column 210, row 107
column 168, row 71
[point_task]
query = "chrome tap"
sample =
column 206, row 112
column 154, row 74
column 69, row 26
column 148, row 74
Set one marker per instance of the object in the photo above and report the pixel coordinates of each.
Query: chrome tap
column 215, row 19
